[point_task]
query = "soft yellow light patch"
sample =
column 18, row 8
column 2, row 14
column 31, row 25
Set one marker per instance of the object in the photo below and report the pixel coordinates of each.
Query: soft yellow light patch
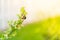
column 54, row 28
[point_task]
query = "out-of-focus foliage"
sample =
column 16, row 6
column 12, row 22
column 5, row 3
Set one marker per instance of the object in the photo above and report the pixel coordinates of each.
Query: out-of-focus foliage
column 47, row 29
column 14, row 26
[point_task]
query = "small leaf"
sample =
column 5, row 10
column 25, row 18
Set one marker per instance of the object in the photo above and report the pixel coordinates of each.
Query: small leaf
column 23, row 11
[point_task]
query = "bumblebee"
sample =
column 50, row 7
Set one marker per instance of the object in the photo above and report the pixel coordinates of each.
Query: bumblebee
column 23, row 16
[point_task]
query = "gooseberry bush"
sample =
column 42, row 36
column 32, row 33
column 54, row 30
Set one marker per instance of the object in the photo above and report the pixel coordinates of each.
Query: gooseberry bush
column 14, row 25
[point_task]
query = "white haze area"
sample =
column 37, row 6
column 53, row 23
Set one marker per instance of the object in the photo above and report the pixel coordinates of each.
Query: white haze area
column 36, row 9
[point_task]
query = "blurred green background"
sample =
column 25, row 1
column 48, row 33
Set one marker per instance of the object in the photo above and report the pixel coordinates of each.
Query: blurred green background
column 47, row 29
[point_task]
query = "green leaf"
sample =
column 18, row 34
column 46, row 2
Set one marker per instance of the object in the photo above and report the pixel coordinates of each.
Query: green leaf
column 23, row 11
